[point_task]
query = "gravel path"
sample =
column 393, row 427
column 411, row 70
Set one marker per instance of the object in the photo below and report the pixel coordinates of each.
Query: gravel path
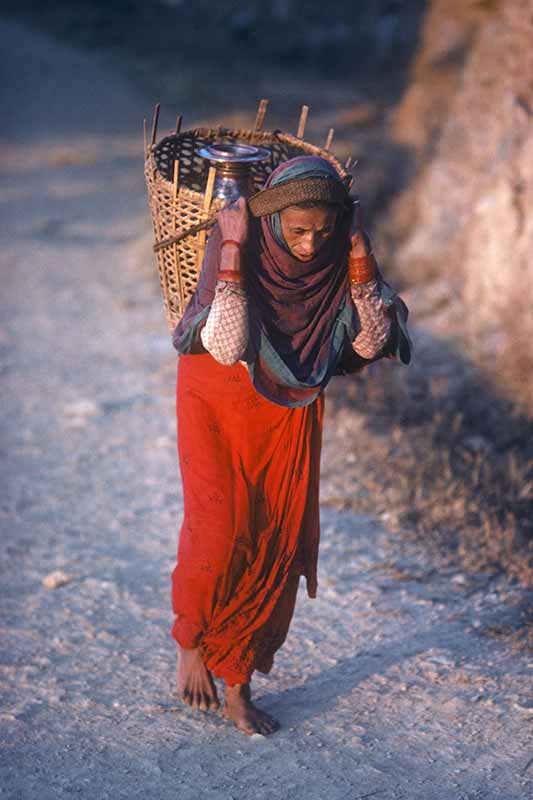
column 402, row 680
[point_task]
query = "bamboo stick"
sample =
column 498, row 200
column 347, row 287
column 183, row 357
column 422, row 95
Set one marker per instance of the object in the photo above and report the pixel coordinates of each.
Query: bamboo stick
column 155, row 121
column 178, row 123
column 175, row 182
column 209, row 189
column 207, row 205
column 160, row 265
column 174, row 223
column 208, row 223
column 302, row 122
column 329, row 138
column 261, row 113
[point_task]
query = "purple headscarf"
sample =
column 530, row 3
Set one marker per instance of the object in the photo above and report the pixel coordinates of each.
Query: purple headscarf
column 294, row 304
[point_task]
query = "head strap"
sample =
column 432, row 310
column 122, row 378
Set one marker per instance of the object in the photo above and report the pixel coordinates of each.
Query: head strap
column 290, row 193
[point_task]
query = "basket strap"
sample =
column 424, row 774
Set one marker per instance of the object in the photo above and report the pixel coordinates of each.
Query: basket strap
column 201, row 226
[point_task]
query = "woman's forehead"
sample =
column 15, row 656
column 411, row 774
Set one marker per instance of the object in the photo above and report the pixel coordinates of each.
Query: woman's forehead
column 316, row 217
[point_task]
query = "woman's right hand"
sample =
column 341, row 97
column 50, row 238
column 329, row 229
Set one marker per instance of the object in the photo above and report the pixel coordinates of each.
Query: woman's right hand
column 233, row 221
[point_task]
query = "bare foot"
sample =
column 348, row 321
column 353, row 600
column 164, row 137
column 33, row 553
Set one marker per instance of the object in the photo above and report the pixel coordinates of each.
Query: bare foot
column 247, row 717
column 195, row 683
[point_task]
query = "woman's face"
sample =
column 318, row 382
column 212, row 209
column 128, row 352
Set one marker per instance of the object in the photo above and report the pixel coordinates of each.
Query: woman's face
column 306, row 229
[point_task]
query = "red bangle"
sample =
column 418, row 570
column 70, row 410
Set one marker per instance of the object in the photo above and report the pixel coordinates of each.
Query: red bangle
column 362, row 269
column 232, row 275
column 231, row 241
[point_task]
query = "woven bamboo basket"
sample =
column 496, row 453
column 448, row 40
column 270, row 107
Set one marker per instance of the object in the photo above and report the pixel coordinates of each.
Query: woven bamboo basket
column 180, row 189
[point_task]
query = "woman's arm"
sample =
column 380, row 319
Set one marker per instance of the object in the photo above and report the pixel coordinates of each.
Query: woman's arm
column 376, row 323
column 365, row 291
column 225, row 333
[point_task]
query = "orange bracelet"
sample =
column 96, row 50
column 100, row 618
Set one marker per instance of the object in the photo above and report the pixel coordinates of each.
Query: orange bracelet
column 362, row 269
column 232, row 275
column 231, row 241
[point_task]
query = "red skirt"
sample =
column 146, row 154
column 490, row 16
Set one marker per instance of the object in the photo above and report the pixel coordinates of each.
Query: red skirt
column 250, row 472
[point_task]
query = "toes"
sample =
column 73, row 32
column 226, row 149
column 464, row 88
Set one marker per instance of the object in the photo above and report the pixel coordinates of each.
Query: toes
column 199, row 698
column 208, row 699
column 195, row 684
column 212, row 695
column 190, row 696
column 249, row 727
column 204, row 701
column 251, row 721
column 263, row 724
column 244, row 723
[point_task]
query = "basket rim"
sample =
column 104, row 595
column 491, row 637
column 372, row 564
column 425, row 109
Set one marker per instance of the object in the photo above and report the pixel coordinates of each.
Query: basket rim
column 260, row 135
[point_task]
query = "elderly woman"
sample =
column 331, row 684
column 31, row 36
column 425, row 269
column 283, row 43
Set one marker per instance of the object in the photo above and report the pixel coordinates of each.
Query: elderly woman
column 286, row 298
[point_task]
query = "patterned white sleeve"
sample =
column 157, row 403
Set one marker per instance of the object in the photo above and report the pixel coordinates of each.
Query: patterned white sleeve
column 374, row 318
column 225, row 333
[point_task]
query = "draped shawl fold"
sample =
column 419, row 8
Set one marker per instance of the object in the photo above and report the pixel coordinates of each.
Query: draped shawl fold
column 302, row 320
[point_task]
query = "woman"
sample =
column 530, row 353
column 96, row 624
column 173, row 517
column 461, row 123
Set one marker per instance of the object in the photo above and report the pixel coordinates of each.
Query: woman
column 286, row 299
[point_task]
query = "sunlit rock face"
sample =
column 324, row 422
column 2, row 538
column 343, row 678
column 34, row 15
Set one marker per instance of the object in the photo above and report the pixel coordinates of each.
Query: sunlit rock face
column 468, row 214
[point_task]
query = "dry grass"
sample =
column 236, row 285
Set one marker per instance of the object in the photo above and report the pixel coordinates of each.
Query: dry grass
column 514, row 367
column 443, row 456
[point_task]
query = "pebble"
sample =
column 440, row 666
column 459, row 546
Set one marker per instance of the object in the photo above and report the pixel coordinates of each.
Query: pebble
column 56, row 579
column 81, row 408
column 525, row 709
column 461, row 580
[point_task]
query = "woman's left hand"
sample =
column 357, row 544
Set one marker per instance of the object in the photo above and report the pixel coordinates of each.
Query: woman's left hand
column 360, row 240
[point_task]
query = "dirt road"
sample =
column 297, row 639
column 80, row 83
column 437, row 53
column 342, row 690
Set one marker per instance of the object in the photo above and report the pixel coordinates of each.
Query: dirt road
column 402, row 680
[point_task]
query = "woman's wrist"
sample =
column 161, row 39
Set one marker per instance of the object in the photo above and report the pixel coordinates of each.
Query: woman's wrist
column 364, row 291
column 231, row 243
column 231, row 275
column 361, row 269
column 230, row 258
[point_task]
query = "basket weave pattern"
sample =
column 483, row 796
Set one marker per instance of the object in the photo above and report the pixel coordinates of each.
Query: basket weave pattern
column 177, row 206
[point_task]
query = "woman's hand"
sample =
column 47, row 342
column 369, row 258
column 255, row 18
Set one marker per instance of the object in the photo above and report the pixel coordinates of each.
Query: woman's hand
column 361, row 262
column 233, row 221
column 361, row 246
column 233, row 224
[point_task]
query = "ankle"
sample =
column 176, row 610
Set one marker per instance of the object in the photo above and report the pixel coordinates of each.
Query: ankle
column 238, row 692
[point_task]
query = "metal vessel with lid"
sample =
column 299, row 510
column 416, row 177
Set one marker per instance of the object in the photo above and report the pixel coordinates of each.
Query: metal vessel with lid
column 232, row 162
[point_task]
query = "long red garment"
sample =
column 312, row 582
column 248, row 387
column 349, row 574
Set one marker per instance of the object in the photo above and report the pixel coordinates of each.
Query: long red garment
column 250, row 472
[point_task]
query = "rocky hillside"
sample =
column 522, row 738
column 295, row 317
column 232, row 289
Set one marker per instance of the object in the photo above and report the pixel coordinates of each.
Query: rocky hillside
column 465, row 223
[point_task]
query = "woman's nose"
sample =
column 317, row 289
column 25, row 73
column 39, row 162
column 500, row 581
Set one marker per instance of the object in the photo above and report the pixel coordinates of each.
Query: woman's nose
column 309, row 244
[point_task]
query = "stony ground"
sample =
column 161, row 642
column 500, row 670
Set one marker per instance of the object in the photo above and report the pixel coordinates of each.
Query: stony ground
column 404, row 679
